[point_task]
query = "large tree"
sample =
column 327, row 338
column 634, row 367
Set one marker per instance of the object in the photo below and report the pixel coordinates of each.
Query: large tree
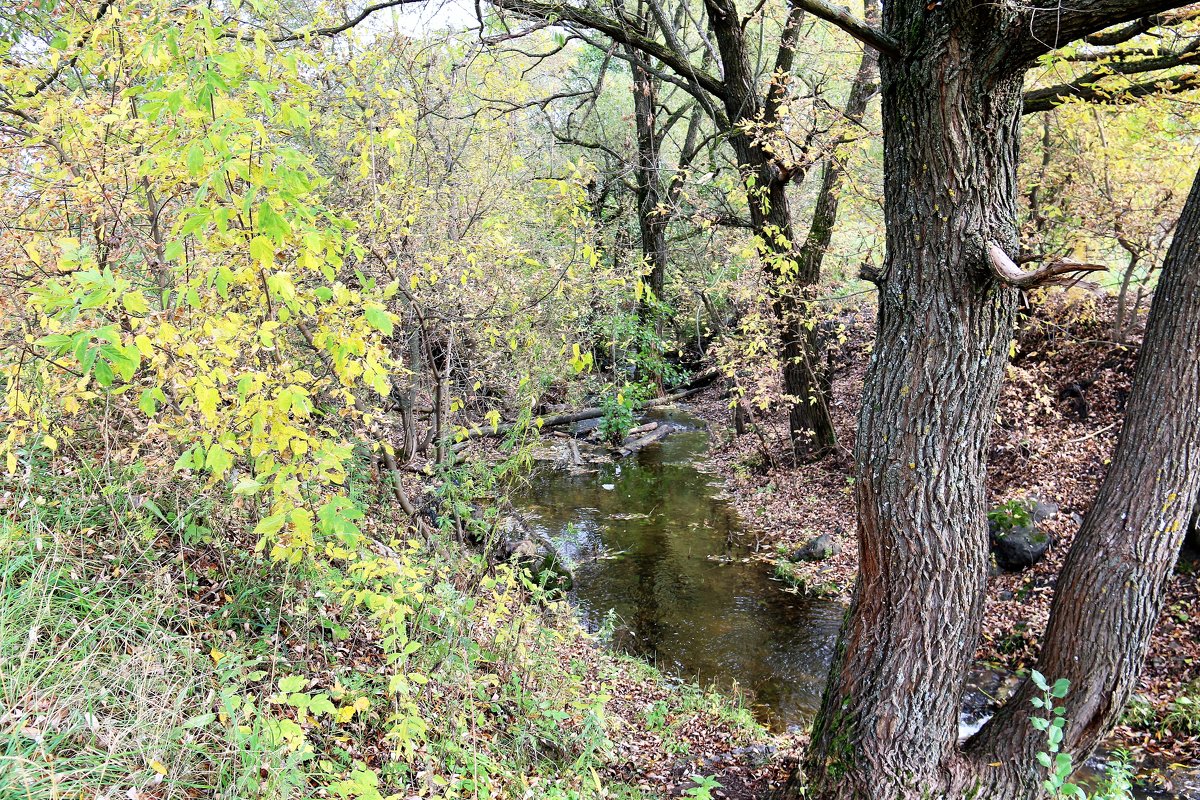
column 952, row 79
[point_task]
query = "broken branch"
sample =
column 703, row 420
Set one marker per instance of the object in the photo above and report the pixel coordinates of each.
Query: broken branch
column 1007, row 270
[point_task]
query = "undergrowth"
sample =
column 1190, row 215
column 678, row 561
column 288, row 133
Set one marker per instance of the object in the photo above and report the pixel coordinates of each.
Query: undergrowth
column 147, row 649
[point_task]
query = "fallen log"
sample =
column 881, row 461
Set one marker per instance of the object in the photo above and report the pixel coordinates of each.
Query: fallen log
column 632, row 445
column 487, row 431
column 640, row 429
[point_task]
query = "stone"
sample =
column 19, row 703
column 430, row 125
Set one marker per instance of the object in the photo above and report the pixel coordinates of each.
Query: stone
column 1041, row 510
column 1019, row 547
column 755, row 755
column 817, row 549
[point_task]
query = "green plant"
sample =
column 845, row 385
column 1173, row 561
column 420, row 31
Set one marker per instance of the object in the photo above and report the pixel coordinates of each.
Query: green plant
column 1011, row 514
column 704, row 787
column 1183, row 713
column 1058, row 764
column 618, row 409
column 656, row 715
column 1118, row 778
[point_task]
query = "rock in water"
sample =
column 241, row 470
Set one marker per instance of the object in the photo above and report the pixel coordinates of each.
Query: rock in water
column 818, row 549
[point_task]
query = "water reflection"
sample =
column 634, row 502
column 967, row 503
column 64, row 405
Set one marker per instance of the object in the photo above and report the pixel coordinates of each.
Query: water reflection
column 659, row 549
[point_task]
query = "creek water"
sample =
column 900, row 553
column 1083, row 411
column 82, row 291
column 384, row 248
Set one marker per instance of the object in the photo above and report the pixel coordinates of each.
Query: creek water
column 658, row 554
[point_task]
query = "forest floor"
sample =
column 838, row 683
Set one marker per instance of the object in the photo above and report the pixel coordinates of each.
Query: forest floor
column 1059, row 416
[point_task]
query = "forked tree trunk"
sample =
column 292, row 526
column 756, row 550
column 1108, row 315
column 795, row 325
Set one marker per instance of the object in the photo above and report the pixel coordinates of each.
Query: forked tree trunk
column 889, row 719
column 888, row 722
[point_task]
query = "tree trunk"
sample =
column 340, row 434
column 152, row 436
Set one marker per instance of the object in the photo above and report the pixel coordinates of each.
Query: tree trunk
column 889, row 718
column 811, row 428
column 652, row 222
column 825, row 209
column 803, row 368
column 888, row 723
column 1112, row 588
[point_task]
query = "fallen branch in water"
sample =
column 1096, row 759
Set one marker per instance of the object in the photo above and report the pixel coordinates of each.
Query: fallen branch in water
column 633, row 444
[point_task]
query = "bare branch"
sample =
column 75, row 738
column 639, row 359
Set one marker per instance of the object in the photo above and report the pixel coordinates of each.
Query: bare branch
column 332, row 30
column 1008, row 272
column 617, row 30
column 1138, row 27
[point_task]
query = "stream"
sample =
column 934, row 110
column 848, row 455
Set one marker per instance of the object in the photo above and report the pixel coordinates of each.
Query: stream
column 651, row 538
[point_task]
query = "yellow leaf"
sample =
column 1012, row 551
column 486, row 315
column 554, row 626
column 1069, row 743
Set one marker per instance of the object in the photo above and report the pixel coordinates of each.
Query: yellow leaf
column 50, row 443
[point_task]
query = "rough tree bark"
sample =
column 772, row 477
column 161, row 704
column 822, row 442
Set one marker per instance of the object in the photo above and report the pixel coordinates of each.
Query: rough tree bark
column 889, row 717
column 1112, row 588
column 888, row 723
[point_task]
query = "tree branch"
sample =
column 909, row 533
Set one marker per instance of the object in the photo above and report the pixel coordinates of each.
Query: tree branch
column 1052, row 97
column 1042, row 29
column 332, row 30
column 617, row 31
column 1138, row 27
column 50, row 78
column 1008, row 272
column 841, row 16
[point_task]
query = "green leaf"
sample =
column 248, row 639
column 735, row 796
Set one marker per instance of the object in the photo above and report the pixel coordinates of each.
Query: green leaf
column 190, row 459
column 124, row 360
column 199, row 721
column 379, row 319
column 148, row 402
column 292, row 683
column 321, row 704
column 271, row 224
column 247, row 486
column 195, row 159
column 271, row 524
column 57, row 342
column 104, row 374
column 218, row 460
